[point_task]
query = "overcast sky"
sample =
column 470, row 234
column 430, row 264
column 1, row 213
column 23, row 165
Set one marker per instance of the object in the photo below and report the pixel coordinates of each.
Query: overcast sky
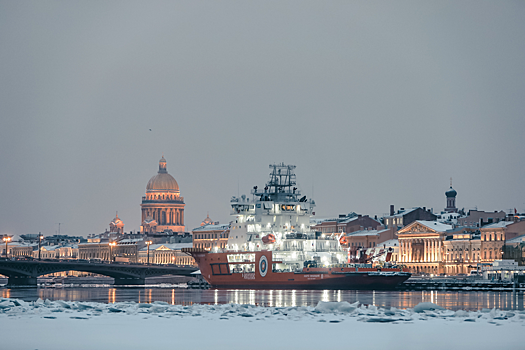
column 377, row 103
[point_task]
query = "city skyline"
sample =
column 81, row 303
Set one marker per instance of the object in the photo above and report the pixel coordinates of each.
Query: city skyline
column 375, row 105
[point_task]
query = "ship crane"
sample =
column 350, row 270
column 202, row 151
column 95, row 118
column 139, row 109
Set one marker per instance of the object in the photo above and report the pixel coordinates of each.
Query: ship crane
column 364, row 258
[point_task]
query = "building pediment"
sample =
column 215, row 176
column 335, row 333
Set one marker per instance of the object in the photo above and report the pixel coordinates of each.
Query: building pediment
column 416, row 227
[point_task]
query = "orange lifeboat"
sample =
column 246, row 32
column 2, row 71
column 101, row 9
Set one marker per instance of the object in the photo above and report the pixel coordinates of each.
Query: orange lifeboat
column 343, row 240
column 268, row 239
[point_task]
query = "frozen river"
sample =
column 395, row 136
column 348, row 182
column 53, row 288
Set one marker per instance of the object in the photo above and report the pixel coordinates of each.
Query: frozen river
column 277, row 298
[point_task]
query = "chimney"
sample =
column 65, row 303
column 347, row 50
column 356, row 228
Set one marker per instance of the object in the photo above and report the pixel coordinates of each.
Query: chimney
column 392, row 210
column 424, row 208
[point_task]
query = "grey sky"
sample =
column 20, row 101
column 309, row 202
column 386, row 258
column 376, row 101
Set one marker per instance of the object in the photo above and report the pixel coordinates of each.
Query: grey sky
column 377, row 103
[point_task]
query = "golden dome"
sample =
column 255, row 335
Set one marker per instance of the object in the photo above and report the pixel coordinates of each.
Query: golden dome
column 162, row 181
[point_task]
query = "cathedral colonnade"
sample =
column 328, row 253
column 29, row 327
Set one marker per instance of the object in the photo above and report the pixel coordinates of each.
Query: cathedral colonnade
column 165, row 216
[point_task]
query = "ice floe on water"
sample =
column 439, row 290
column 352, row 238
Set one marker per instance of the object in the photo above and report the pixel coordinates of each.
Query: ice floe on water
column 45, row 324
column 332, row 312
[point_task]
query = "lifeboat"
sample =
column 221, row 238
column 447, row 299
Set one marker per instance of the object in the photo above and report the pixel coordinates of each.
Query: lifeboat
column 343, row 240
column 268, row 239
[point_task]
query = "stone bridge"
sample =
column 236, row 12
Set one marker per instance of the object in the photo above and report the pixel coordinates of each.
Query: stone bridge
column 25, row 273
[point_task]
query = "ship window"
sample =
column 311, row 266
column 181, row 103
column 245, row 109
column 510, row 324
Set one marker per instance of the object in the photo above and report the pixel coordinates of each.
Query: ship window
column 224, row 269
column 220, row 269
column 285, row 207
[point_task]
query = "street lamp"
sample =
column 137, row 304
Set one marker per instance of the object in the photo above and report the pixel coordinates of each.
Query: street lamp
column 40, row 237
column 148, row 243
column 6, row 239
column 111, row 245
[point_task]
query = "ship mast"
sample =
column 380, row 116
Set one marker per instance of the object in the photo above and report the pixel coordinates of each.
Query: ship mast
column 281, row 186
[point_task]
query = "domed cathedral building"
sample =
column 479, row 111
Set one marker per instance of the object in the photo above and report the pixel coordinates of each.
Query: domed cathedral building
column 162, row 206
column 116, row 225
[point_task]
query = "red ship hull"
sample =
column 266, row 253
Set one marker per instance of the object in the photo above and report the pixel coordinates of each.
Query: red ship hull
column 218, row 272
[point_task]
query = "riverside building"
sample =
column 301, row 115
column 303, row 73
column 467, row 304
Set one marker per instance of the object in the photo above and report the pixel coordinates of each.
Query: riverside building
column 421, row 246
column 211, row 235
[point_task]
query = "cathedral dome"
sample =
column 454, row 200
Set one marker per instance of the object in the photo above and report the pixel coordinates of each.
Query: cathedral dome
column 162, row 181
column 116, row 221
column 207, row 221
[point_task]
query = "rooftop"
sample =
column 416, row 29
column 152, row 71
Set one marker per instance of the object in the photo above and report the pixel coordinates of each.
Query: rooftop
column 211, row 227
column 499, row 224
column 437, row 226
column 518, row 239
column 402, row 213
column 365, row 233
column 130, row 240
column 169, row 246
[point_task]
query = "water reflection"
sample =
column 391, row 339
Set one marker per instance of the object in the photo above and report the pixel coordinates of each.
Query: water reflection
column 279, row 298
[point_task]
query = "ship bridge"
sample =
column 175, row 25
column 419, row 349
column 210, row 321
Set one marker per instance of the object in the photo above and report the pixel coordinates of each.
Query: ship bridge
column 268, row 217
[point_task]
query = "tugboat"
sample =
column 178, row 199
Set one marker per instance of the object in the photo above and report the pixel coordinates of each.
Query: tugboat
column 270, row 246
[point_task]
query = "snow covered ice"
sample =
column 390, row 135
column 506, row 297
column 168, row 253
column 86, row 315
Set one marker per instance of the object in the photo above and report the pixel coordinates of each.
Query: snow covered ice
column 129, row 325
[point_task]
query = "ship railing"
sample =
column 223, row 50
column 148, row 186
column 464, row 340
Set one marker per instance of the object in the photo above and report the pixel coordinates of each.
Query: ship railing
column 322, row 249
column 243, row 211
column 367, row 266
column 282, row 257
column 289, row 249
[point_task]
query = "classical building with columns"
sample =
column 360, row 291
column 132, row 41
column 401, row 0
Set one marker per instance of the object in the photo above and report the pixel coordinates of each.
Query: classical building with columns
column 421, row 246
column 162, row 206
column 462, row 250
column 166, row 253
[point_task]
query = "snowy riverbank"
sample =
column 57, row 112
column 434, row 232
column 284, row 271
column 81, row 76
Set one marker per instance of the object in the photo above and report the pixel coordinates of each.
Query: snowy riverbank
column 128, row 325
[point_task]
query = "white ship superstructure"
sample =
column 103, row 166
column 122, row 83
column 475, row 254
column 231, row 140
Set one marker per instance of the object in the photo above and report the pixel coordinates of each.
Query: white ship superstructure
column 277, row 219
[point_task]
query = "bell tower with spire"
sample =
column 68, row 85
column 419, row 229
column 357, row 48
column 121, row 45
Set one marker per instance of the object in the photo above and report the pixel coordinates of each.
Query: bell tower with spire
column 451, row 199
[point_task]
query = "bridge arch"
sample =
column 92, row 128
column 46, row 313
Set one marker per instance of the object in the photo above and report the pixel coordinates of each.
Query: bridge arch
column 26, row 272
